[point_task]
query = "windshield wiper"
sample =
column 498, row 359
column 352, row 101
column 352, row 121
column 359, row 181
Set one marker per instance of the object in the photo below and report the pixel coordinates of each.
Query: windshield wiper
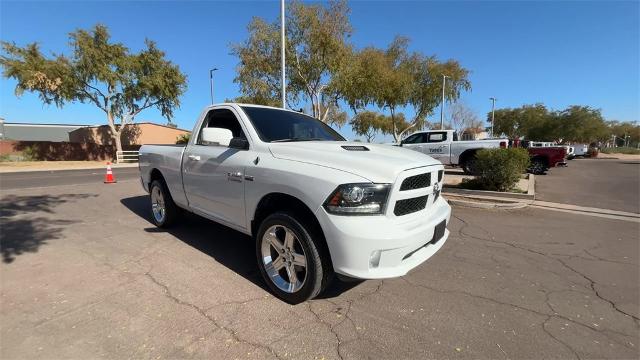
column 298, row 139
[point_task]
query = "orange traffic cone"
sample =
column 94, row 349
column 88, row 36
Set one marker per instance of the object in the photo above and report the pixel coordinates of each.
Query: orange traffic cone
column 109, row 178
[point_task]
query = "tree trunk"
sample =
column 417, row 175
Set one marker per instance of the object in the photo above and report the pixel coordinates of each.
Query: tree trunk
column 118, row 140
column 115, row 133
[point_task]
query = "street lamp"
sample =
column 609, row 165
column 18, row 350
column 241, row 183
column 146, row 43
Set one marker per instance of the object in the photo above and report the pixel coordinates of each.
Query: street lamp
column 493, row 110
column 444, row 83
column 211, row 82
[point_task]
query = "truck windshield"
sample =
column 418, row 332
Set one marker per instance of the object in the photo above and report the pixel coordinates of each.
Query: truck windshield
column 275, row 125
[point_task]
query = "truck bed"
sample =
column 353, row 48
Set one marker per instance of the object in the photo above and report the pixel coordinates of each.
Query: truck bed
column 168, row 159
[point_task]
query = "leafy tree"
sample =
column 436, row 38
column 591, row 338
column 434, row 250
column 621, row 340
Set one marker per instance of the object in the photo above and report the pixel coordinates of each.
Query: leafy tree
column 582, row 124
column 622, row 129
column 530, row 121
column 395, row 80
column 535, row 122
column 99, row 72
column 315, row 50
column 369, row 124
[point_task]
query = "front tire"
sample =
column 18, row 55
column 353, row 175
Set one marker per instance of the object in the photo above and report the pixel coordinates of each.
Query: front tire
column 290, row 258
column 163, row 210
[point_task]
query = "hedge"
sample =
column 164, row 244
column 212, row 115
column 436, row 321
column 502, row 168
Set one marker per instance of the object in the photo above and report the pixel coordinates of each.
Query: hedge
column 499, row 169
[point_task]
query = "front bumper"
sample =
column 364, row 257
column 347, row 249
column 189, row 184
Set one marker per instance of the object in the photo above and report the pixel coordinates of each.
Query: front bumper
column 403, row 242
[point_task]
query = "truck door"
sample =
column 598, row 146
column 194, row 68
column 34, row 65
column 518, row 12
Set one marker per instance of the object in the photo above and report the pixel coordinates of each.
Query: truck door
column 438, row 146
column 213, row 175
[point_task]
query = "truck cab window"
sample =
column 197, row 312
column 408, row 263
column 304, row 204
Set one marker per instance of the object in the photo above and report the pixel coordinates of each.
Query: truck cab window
column 225, row 119
column 414, row 139
column 437, row 137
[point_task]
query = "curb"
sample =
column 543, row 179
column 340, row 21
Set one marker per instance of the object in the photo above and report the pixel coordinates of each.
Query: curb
column 482, row 199
column 530, row 195
column 486, row 203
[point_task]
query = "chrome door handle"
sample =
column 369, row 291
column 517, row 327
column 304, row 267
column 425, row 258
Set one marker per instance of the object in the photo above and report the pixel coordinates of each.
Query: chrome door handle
column 235, row 176
column 194, row 157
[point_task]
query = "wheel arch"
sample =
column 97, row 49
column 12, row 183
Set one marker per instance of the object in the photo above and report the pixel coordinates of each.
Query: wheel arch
column 466, row 155
column 155, row 174
column 278, row 201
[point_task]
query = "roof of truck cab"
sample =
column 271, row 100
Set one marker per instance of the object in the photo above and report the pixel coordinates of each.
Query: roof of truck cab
column 253, row 105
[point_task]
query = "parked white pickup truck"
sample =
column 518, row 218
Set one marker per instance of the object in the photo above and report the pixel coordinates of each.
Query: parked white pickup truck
column 314, row 203
column 444, row 146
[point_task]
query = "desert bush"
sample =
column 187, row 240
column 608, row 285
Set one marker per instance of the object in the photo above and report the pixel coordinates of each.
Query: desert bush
column 498, row 169
column 183, row 139
column 30, row 153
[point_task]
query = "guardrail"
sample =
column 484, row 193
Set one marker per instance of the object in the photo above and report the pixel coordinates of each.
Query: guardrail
column 126, row 156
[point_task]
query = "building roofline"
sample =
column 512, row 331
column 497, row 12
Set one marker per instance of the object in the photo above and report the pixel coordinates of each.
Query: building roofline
column 87, row 125
column 43, row 124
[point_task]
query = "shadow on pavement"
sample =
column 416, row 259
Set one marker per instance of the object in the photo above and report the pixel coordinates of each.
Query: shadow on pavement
column 230, row 248
column 22, row 232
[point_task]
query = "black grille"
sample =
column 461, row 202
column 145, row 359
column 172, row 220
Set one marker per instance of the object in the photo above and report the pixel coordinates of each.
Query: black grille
column 416, row 182
column 408, row 206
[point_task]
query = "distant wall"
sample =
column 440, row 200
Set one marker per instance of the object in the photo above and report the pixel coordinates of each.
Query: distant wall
column 135, row 134
column 60, row 151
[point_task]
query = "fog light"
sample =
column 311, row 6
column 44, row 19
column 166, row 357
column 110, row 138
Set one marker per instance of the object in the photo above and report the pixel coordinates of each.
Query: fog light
column 374, row 259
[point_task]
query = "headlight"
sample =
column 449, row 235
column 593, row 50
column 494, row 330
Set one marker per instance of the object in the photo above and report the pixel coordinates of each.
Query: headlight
column 358, row 199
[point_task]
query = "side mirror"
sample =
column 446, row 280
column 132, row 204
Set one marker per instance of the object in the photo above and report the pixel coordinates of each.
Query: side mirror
column 239, row 143
column 217, row 136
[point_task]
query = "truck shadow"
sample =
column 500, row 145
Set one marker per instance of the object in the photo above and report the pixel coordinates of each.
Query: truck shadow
column 228, row 247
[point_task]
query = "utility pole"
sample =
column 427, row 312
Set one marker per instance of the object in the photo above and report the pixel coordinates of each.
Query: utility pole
column 444, row 83
column 211, row 82
column 493, row 113
column 282, row 55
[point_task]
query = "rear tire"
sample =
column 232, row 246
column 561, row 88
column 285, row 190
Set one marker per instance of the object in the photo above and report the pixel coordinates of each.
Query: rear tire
column 538, row 166
column 469, row 165
column 290, row 258
column 164, row 211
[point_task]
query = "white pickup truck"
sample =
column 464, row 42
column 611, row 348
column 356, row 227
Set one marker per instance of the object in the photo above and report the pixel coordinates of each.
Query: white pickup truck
column 443, row 145
column 314, row 203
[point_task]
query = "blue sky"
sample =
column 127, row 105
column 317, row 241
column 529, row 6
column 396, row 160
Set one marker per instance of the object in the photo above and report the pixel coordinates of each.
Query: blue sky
column 557, row 53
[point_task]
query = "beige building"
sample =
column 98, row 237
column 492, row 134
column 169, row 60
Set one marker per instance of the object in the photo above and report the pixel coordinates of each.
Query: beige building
column 133, row 135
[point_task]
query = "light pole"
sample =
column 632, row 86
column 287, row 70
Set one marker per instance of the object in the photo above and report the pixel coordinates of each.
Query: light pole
column 493, row 112
column 211, row 82
column 282, row 55
column 444, row 83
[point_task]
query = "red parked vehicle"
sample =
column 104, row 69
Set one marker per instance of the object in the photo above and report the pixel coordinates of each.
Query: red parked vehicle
column 543, row 158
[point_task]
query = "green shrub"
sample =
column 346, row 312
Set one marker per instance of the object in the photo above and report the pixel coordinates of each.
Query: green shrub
column 498, row 169
column 30, row 153
column 620, row 150
column 183, row 139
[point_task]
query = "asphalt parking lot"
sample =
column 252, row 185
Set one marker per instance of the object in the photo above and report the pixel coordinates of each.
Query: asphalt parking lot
column 607, row 184
column 86, row 275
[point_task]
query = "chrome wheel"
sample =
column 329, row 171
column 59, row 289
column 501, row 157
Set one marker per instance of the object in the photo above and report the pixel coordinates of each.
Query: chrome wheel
column 284, row 258
column 157, row 204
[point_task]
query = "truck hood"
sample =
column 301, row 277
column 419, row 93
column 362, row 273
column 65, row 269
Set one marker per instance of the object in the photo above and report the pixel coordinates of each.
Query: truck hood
column 380, row 163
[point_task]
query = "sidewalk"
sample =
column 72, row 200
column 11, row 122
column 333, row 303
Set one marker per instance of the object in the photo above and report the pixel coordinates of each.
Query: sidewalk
column 23, row 166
